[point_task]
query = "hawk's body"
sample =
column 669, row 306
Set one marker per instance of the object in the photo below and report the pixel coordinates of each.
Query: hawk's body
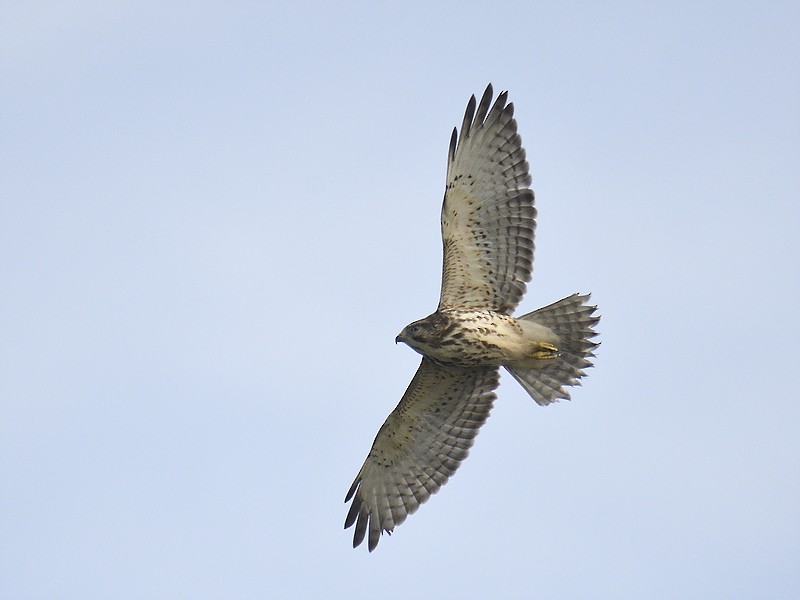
column 488, row 222
column 477, row 338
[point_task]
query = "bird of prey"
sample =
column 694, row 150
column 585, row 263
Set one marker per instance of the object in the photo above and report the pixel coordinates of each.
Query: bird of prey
column 488, row 220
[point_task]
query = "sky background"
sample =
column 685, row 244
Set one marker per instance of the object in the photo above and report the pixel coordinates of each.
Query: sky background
column 215, row 218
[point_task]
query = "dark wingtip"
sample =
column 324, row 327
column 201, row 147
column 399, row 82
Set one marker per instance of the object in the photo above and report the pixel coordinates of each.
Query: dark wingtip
column 353, row 488
column 483, row 107
column 451, row 153
column 361, row 529
column 351, row 515
column 469, row 114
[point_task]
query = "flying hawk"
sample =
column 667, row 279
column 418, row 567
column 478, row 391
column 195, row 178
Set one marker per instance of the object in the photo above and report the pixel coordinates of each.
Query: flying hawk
column 488, row 220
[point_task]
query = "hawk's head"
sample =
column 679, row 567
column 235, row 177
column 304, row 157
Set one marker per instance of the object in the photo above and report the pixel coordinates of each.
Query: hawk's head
column 426, row 335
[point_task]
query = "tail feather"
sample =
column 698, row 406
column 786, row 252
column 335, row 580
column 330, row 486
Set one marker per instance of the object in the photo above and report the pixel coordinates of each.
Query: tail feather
column 573, row 321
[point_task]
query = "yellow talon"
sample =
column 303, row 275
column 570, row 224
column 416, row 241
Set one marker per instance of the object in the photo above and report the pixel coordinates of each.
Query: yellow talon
column 544, row 351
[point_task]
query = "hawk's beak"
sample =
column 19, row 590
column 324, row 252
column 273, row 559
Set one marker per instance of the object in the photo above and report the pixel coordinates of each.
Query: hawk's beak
column 399, row 339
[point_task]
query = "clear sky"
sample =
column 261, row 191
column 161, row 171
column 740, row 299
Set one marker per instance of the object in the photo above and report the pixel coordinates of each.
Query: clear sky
column 215, row 218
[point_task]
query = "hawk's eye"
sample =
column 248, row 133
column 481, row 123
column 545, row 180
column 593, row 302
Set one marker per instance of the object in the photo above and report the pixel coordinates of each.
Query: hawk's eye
column 415, row 329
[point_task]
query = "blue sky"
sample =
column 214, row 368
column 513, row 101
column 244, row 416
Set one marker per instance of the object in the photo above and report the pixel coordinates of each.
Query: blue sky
column 215, row 218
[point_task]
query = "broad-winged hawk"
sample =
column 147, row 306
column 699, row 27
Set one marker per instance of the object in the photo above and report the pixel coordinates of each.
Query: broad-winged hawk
column 488, row 221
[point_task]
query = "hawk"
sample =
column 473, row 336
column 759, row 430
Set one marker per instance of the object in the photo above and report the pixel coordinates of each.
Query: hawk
column 488, row 220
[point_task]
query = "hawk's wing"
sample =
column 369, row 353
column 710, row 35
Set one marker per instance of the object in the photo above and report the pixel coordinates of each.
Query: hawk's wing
column 488, row 216
column 420, row 446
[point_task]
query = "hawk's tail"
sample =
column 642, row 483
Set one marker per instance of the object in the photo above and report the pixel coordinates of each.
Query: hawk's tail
column 573, row 321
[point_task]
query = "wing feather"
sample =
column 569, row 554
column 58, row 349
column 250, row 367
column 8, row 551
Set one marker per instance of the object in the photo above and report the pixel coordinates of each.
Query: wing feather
column 419, row 447
column 488, row 215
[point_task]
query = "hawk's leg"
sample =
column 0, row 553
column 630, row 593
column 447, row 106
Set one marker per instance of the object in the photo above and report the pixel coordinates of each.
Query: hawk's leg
column 544, row 351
